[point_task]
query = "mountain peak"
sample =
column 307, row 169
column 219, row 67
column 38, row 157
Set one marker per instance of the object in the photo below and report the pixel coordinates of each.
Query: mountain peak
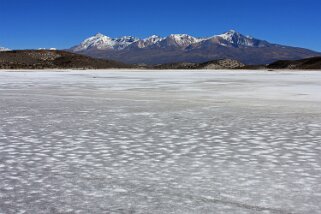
column 99, row 35
column 232, row 31
column 153, row 36
column 237, row 39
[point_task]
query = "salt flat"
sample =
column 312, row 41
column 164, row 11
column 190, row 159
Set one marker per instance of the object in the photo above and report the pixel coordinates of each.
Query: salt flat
column 160, row 142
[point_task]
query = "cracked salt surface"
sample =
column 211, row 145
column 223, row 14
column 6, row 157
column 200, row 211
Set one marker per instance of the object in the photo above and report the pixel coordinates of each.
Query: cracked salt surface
column 161, row 142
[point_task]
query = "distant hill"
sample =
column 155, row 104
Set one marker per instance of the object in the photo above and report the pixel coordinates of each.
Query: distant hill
column 51, row 59
column 214, row 64
column 55, row 59
column 309, row 63
column 185, row 48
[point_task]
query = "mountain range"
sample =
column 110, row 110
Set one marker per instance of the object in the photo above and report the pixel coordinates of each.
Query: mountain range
column 185, row 48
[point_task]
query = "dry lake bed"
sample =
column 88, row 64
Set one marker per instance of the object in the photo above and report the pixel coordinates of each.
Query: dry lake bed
column 160, row 142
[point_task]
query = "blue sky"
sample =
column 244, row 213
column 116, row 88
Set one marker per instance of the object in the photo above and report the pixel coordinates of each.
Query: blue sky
column 64, row 23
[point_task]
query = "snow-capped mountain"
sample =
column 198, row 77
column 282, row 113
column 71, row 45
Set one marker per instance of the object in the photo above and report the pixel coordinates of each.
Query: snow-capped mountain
column 4, row 49
column 186, row 48
column 236, row 40
column 102, row 42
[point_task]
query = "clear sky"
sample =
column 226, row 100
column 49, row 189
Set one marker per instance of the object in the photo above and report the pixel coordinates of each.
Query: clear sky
column 64, row 23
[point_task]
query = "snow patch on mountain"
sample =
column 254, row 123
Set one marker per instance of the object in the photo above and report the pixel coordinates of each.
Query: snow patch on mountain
column 4, row 49
column 124, row 42
column 183, row 40
column 152, row 40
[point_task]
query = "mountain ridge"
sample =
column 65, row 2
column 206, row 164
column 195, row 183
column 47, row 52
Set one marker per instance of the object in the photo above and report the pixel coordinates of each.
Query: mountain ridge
column 185, row 48
column 101, row 41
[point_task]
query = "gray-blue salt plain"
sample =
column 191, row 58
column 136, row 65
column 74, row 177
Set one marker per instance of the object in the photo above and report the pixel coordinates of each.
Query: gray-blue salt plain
column 119, row 141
